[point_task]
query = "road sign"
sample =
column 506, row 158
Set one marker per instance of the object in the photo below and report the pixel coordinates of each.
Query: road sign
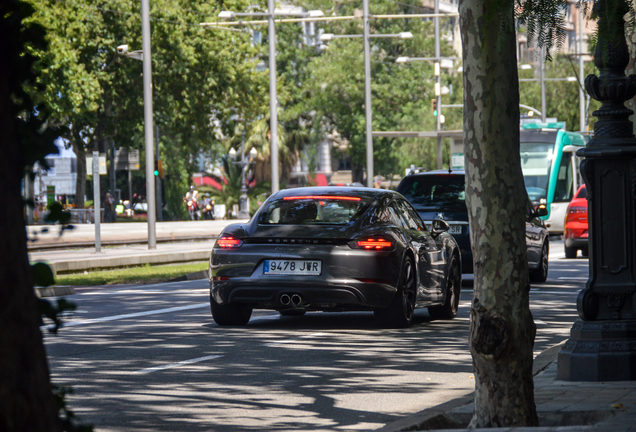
column 102, row 164
column 550, row 124
column 126, row 160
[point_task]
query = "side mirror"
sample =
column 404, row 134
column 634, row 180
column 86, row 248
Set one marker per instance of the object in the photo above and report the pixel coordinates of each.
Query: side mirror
column 542, row 211
column 439, row 226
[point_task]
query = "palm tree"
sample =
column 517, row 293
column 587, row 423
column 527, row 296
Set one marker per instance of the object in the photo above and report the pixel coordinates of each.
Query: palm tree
column 230, row 180
column 290, row 144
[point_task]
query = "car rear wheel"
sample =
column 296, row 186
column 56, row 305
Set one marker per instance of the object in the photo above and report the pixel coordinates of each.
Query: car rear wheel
column 230, row 314
column 570, row 252
column 400, row 312
column 449, row 309
column 540, row 274
column 292, row 312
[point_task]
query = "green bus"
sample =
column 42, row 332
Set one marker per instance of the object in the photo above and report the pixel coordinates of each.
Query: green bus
column 551, row 168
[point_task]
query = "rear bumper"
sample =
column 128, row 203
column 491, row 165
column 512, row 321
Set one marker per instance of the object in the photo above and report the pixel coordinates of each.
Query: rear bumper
column 576, row 242
column 328, row 295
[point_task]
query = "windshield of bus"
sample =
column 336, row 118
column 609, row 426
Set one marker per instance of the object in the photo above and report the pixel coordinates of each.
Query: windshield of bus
column 535, row 164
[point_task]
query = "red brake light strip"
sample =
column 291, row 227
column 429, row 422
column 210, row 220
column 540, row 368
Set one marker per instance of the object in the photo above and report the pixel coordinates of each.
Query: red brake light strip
column 332, row 197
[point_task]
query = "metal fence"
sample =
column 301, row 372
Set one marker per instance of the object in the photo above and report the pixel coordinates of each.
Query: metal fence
column 83, row 216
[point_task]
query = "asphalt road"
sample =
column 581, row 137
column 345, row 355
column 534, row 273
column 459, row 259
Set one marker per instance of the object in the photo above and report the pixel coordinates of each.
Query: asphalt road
column 150, row 358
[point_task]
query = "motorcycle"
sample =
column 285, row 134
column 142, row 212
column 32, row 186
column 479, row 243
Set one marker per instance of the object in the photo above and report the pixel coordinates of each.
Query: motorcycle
column 193, row 207
column 208, row 212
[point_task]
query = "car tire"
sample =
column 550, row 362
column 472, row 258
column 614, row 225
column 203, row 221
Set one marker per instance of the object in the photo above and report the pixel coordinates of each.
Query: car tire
column 400, row 312
column 540, row 274
column 230, row 314
column 570, row 252
column 292, row 312
column 449, row 309
column 585, row 252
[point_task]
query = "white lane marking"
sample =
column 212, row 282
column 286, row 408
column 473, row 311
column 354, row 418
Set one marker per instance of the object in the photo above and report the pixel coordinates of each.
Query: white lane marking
column 168, row 291
column 174, row 365
column 264, row 317
column 133, row 315
column 539, row 322
column 556, row 292
column 292, row 341
column 574, row 278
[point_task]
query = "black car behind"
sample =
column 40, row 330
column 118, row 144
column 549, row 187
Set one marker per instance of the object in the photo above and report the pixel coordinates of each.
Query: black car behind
column 441, row 195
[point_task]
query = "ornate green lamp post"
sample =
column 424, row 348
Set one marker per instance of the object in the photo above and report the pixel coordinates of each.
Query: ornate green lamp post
column 602, row 344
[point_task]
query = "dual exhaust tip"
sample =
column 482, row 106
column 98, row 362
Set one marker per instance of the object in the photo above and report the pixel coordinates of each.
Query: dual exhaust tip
column 291, row 300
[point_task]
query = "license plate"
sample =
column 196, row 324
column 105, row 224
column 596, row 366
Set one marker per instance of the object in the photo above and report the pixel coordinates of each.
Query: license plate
column 292, row 267
column 455, row 229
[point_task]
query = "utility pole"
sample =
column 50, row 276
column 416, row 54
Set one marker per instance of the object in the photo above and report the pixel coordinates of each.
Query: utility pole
column 97, row 202
column 543, row 104
column 112, row 217
column 438, row 88
column 273, row 103
column 150, row 165
column 367, row 92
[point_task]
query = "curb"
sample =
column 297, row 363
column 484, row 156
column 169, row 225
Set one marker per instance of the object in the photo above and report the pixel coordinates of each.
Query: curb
column 202, row 274
column 413, row 422
column 127, row 261
column 54, row 291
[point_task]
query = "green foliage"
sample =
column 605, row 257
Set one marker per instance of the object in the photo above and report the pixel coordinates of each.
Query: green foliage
column 401, row 93
column 55, row 311
column 131, row 275
column 201, row 76
column 67, row 416
column 42, row 274
column 231, row 180
column 545, row 20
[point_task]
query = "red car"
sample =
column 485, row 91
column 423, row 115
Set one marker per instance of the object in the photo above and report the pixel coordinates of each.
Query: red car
column 575, row 231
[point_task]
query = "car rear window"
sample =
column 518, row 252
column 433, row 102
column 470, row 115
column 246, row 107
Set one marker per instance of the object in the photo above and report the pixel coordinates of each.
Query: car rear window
column 582, row 193
column 434, row 190
column 314, row 210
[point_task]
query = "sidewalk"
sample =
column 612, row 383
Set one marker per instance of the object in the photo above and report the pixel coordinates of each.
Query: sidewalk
column 77, row 260
column 83, row 235
column 561, row 405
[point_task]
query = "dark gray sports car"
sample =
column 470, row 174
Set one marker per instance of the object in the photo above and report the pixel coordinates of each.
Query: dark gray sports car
column 335, row 249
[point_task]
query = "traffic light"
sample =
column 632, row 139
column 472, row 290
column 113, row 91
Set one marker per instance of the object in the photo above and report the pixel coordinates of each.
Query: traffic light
column 158, row 169
column 434, row 106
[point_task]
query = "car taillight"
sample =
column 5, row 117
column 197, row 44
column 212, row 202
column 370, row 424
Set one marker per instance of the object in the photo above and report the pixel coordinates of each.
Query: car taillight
column 378, row 244
column 229, row 242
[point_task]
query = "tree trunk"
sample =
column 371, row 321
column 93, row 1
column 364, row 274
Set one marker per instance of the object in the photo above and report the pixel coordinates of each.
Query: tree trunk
column 80, row 182
column 501, row 326
column 26, row 399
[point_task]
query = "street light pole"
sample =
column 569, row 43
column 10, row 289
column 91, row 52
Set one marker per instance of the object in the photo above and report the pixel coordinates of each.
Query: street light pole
column 273, row 103
column 367, row 93
column 438, row 84
column 543, row 107
column 150, row 166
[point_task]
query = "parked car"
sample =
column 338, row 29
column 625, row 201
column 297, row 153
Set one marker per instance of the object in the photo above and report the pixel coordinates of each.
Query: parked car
column 576, row 224
column 335, row 249
column 441, row 195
